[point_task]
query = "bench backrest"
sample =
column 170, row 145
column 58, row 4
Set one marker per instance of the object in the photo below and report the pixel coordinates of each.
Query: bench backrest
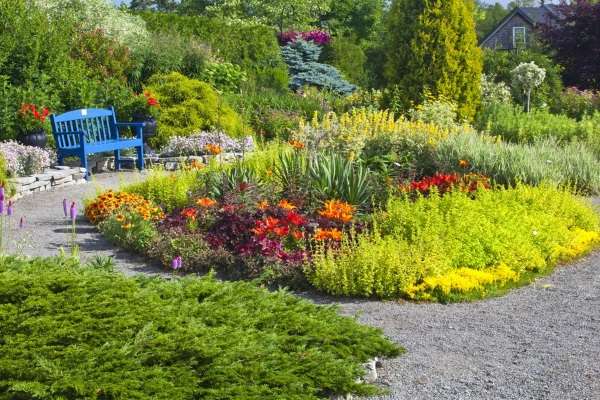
column 99, row 125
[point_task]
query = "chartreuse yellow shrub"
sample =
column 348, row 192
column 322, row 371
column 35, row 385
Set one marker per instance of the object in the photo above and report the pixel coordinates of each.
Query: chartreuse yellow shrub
column 347, row 133
column 456, row 247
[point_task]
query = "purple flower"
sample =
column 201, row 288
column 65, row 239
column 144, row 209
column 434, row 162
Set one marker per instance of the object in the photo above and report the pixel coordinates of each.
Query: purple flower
column 1, row 193
column 177, row 263
column 22, row 223
column 2, row 207
column 73, row 211
column 65, row 208
column 9, row 210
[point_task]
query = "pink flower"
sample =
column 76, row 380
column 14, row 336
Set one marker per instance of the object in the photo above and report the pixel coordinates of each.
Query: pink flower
column 73, row 211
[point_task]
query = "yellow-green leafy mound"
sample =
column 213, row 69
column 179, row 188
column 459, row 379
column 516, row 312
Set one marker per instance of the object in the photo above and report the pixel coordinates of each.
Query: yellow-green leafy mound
column 456, row 247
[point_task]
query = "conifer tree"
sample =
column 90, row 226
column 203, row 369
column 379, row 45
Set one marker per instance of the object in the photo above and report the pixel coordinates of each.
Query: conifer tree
column 431, row 49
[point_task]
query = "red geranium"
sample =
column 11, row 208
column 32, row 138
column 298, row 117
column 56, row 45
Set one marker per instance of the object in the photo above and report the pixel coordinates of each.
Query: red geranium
column 32, row 118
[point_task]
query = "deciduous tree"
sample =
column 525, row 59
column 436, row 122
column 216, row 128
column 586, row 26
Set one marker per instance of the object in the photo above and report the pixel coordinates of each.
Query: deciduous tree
column 575, row 39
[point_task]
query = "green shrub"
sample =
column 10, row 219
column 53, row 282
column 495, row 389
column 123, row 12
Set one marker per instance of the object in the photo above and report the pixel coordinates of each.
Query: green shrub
column 514, row 125
column 274, row 114
column 349, row 57
column 253, row 47
column 577, row 103
column 456, row 247
column 188, row 106
column 169, row 51
column 572, row 165
column 71, row 333
column 128, row 230
column 225, row 77
column 166, row 189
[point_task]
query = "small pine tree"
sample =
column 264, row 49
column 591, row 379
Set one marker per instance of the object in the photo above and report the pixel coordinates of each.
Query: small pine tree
column 302, row 58
column 431, row 47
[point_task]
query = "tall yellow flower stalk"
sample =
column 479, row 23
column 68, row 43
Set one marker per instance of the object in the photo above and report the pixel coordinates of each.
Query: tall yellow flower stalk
column 347, row 133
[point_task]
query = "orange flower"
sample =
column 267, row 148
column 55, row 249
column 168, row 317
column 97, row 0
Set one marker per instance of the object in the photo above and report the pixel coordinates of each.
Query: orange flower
column 297, row 235
column 286, row 205
column 195, row 164
column 338, row 211
column 206, row 202
column 189, row 213
column 127, row 226
column 263, row 205
column 109, row 202
column 464, row 164
column 296, row 144
column 325, row 234
column 120, row 217
column 281, row 231
column 214, row 149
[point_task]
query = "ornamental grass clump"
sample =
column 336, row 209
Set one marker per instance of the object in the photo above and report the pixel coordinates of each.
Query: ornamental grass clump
column 459, row 246
column 570, row 165
column 71, row 332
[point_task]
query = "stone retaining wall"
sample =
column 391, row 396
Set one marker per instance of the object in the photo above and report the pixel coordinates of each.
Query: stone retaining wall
column 51, row 178
column 99, row 164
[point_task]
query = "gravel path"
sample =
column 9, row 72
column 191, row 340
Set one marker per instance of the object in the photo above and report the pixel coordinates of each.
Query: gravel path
column 48, row 230
column 538, row 342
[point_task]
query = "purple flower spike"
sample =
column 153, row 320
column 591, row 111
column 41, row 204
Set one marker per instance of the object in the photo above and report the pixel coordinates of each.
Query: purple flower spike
column 22, row 223
column 1, row 206
column 177, row 263
column 73, row 211
column 1, row 193
column 10, row 209
column 65, row 208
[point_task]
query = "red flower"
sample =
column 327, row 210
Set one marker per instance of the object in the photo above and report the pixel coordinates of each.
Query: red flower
column 295, row 219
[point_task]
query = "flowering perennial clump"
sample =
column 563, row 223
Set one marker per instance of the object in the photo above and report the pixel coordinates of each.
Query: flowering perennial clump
column 337, row 210
column 317, row 36
column 206, row 143
column 444, row 183
column 24, row 160
column 109, row 202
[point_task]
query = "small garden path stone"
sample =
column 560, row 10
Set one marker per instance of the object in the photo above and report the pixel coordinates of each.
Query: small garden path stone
column 538, row 342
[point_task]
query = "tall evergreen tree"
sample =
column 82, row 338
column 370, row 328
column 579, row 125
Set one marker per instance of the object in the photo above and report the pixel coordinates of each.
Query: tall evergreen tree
column 431, row 48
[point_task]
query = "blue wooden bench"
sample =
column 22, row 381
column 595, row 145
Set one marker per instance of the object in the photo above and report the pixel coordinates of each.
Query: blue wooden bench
column 82, row 132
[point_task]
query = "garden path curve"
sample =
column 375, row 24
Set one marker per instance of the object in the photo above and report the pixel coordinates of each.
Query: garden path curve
column 538, row 342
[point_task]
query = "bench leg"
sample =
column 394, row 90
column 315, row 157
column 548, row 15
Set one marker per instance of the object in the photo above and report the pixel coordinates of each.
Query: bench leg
column 84, row 164
column 140, row 157
column 118, row 160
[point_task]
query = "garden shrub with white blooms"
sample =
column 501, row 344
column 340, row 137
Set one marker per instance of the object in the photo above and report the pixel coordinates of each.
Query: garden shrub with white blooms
column 199, row 144
column 24, row 160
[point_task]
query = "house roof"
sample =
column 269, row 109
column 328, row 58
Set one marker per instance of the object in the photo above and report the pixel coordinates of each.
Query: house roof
column 533, row 15
column 540, row 14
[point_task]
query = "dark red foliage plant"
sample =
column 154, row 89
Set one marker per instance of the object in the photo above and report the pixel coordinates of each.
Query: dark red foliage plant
column 574, row 38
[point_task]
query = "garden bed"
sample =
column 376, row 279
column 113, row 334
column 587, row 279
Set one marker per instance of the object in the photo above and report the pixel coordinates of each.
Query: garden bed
column 286, row 217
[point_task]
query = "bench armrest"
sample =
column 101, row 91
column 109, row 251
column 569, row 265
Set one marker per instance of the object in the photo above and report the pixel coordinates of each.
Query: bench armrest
column 138, row 127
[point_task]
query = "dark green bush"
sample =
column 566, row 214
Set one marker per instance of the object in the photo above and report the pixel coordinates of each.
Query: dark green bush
column 71, row 333
column 253, row 47
column 274, row 114
column 169, row 51
column 188, row 105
